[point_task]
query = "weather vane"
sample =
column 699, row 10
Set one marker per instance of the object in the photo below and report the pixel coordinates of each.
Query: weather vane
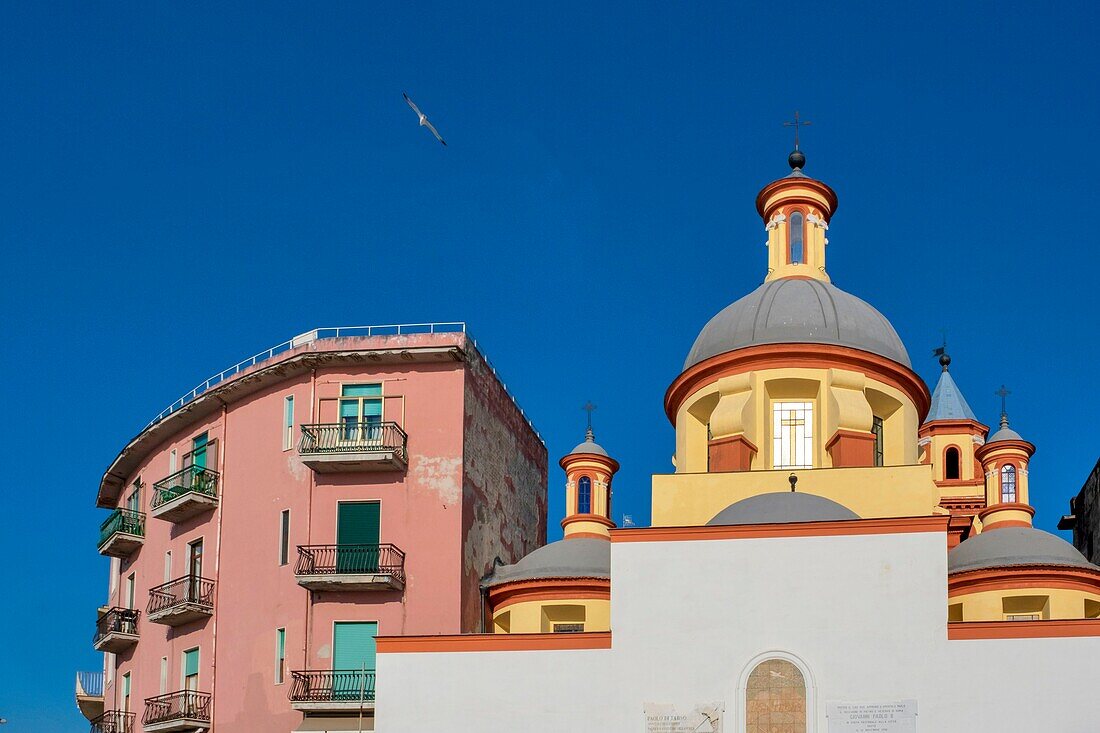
column 941, row 352
column 796, row 124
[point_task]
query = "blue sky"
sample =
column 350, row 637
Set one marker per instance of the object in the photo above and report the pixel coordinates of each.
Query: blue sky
column 184, row 185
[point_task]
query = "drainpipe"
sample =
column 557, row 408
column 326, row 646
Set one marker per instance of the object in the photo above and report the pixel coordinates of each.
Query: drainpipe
column 309, row 526
column 217, row 563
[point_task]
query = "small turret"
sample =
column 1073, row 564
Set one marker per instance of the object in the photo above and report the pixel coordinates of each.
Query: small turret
column 1004, row 458
column 589, row 471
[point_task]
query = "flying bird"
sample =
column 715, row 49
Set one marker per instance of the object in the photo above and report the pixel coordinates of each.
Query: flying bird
column 424, row 119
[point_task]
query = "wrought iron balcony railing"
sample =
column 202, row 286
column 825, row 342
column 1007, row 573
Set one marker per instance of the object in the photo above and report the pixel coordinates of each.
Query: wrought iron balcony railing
column 196, row 479
column 124, row 521
column 350, row 560
column 337, row 686
column 189, row 589
column 188, row 705
column 362, row 437
column 116, row 620
column 114, row 721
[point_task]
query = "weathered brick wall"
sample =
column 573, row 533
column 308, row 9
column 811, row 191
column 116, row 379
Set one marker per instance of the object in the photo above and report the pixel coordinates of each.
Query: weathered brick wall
column 504, row 484
column 1086, row 533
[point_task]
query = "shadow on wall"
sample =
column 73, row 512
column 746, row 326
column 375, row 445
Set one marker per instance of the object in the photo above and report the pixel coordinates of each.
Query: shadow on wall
column 254, row 714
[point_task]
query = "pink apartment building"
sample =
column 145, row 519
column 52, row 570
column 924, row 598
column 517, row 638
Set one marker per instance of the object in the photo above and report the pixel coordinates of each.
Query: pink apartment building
column 345, row 484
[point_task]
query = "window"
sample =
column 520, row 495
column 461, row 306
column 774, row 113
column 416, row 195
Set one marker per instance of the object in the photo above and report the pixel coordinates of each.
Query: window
column 361, row 411
column 1008, row 484
column 126, row 692
column 109, row 660
column 163, row 675
column 167, row 566
column 568, row 628
column 358, row 525
column 191, row 669
column 199, row 447
column 131, row 590
column 116, row 571
column 796, row 251
column 775, row 698
column 1023, row 617
column 876, row 428
column 284, row 537
column 951, row 463
column 173, row 462
column 280, row 655
column 288, row 422
column 133, row 501
column 792, row 433
column 584, row 495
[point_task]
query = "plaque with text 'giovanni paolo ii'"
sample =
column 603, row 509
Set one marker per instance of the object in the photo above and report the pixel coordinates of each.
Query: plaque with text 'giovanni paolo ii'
column 666, row 718
column 872, row 717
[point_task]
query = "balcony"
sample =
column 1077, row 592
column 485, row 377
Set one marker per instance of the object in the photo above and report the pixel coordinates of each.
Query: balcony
column 89, row 694
column 185, row 494
column 181, row 601
column 116, row 630
column 114, row 721
column 351, row 447
column 184, row 710
column 350, row 567
column 122, row 533
column 332, row 690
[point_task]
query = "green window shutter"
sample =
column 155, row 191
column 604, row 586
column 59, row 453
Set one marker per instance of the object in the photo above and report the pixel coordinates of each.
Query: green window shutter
column 198, row 450
column 353, row 645
column 357, row 523
column 361, row 390
column 126, row 685
column 190, row 662
column 280, row 643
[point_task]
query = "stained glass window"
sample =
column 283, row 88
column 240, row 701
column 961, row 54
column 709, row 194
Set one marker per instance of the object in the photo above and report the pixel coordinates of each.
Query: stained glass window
column 1008, row 484
column 796, row 238
column 584, row 495
column 792, row 434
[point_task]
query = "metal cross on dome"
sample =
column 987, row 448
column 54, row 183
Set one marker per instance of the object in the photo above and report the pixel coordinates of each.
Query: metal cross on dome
column 796, row 124
column 1003, row 392
column 589, row 408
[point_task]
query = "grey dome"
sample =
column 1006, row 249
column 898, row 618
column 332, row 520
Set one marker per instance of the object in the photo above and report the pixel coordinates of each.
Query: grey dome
column 589, row 446
column 1014, row 546
column 582, row 557
column 782, row 506
column 1005, row 433
column 798, row 310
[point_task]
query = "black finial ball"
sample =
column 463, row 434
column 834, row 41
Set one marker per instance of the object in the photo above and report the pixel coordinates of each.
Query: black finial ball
column 796, row 159
column 945, row 361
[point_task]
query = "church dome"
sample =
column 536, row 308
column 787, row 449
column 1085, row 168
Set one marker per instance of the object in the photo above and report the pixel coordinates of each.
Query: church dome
column 581, row 557
column 1013, row 547
column 798, row 310
column 780, row 507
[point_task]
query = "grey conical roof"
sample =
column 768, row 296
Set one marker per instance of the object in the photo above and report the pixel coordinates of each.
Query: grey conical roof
column 580, row 557
column 948, row 402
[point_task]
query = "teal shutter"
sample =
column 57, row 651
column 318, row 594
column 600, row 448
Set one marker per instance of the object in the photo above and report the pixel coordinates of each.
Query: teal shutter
column 198, row 451
column 357, row 531
column 361, row 390
column 190, row 662
column 352, row 652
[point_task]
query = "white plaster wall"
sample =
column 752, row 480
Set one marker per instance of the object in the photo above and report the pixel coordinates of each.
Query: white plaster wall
column 865, row 615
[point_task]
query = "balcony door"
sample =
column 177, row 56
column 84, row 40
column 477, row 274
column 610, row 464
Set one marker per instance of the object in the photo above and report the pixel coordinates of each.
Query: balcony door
column 357, row 530
column 353, row 652
column 361, row 412
column 194, row 570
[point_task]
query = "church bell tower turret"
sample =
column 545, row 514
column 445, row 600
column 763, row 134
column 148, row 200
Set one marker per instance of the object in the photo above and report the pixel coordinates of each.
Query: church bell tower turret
column 588, row 474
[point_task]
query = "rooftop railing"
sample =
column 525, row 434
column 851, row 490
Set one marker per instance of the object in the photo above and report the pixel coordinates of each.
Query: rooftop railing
column 117, row 620
column 196, row 479
column 348, row 686
column 114, row 721
column 362, row 437
column 318, row 334
column 188, row 589
column 350, row 560
column 183, row 705
column 122, row 520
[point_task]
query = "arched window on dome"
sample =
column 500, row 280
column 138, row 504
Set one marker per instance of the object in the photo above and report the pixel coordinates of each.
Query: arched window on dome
column 951, row 463
column 797, row 253
column 584, row 495
column 1008, row 484
column 775, row 698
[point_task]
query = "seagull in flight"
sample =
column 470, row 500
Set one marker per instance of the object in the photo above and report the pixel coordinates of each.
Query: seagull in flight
column 423, row 119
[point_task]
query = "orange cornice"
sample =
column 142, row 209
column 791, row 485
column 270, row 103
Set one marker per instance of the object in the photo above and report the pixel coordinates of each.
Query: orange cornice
column 811, row 183
column 570, row 458
column 965, row 630
column 493, row 642
column 952, row 427
column 889, row 525
column 1007, row 446
column 813, row 356
column 596, row 518
column 1029, row 576
column 1006, row 507
column 561, row 589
